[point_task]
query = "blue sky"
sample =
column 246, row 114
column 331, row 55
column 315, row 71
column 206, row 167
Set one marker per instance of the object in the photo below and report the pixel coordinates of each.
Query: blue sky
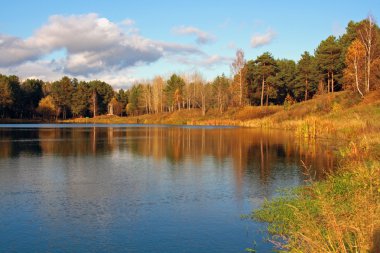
column 124, row 41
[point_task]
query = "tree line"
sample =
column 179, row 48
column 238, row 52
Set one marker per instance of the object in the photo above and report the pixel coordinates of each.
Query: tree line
column 351, row 61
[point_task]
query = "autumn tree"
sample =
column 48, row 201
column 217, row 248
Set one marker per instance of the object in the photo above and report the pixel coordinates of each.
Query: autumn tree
column 146, row 96
column 47, row 108
column 355, row 66
column 220, row 90
column 237, row 69
column 367, row 35
column 117, row 107
column 189, row 92
column 158, row 94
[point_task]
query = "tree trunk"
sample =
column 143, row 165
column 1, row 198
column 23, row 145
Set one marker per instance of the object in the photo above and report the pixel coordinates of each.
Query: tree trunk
column 368, row 69
column 306, row 88
column 94, row 102
column 332, row 82
column 356, row 76
column 203, row 105
column 328, row 82
column 262, row 91
column 241, row 89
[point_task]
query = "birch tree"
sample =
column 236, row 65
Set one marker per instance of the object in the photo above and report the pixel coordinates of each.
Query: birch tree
column 237, row 69
column 367, row 36
column 158, row 94
column 355, row 66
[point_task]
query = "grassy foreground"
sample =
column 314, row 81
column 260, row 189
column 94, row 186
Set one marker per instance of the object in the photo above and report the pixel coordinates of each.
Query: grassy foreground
column 341, row 213
column 338, row 214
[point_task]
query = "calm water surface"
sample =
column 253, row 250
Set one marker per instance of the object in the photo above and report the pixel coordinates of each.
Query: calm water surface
column 131, row 188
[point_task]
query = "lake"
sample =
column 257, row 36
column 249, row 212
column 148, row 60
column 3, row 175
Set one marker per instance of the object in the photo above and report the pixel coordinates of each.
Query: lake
column 144, row 188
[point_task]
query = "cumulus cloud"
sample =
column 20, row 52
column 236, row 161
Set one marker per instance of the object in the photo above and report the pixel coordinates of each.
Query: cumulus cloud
column 205, row 61
column 202, row 37
column 14, row 51
column 216, row 60
column 128, row 22
column 92, row 44
column 260, row 40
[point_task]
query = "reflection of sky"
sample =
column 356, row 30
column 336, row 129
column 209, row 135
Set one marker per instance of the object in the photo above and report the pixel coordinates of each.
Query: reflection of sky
column 126, row 189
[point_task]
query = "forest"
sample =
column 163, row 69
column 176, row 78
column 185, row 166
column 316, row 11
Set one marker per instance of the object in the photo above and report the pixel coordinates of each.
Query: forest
column 349, row 62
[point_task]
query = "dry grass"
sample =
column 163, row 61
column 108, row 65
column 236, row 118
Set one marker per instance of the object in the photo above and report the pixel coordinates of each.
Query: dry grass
column 340, row 214
column 233, row 116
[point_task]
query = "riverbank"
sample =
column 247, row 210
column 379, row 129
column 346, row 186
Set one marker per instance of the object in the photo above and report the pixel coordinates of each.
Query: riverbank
column 342, row 114
column 233, row 116
column 341, row 213
column 22, row 121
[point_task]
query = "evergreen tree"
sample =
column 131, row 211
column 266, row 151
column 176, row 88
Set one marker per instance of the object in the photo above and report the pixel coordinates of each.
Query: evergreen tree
column 266, row 67
column 122, row 97
column 102, row 93
column 284, row 80
column 307, row 77
column 31, row 95
column 134, row 98
column 81, row 98
column 328, row 59
column 62, row 93
column 174, row 91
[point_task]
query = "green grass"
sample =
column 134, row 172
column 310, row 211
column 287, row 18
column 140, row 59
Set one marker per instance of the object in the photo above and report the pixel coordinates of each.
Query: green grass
column 339, row 214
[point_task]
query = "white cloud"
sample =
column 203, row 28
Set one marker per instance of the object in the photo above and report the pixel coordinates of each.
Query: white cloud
column 260, row 40
column 206, row 61
column 92, row 47
column 128, row 22
column 93, row 44
column 216, row 60
column 14, row 51
column 44, row 70
column 202, row 37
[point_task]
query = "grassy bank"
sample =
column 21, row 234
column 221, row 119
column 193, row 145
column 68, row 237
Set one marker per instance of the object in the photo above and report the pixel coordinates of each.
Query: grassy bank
column 341, row 213
column 233, row 116
column 23, row 121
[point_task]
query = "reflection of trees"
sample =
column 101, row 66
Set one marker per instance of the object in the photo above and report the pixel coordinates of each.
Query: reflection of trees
column 77, row 141
column 14, row 142
column 249, row 149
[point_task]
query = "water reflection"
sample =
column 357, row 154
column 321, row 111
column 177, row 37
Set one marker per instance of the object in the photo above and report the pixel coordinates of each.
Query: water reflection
column 135, row 189
column 248, row 148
